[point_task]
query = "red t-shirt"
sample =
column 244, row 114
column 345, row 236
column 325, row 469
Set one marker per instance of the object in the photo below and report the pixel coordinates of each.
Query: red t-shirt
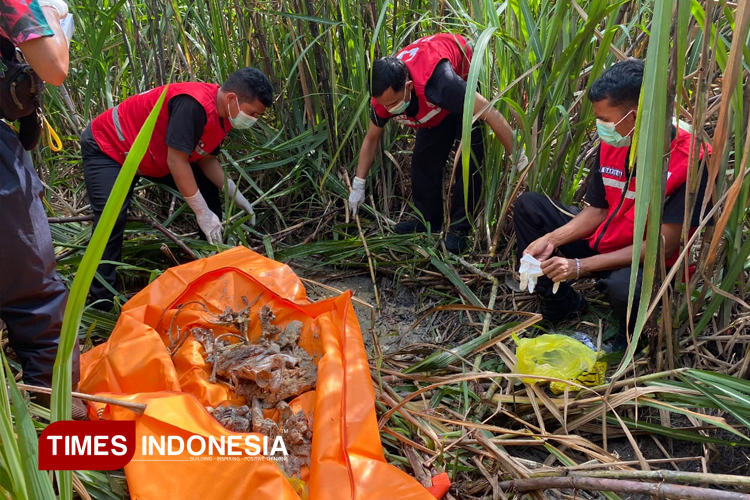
column 23, row 20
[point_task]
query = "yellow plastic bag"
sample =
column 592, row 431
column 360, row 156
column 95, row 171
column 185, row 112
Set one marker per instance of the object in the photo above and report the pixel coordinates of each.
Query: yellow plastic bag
column 554, row 356
column 587, row 378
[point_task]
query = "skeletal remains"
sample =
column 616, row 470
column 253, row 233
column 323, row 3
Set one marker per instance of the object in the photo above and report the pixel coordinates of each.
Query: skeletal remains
column 268, row 372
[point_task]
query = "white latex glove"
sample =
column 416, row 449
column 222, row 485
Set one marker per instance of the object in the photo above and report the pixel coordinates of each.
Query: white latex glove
column 207, row 220
column 59, row 5
column 530, row 270
column 523, row 162
column 240, row 200
column 357, row 196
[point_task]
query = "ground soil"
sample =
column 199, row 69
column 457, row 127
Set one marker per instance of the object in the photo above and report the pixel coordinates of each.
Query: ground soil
column 401, row 307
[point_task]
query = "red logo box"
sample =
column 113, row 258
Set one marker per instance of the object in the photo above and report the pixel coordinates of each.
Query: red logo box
column 99, row 445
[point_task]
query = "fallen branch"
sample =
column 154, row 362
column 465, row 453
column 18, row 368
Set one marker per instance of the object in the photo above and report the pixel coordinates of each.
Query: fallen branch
column 659, row 490
column 674, row 476
column 90, row 218
column 364, row 244
column 138, row 408
column 493, row 294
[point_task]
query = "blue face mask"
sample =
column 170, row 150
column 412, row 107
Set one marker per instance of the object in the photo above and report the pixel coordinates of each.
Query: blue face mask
column 400, row 107
column 608, row 132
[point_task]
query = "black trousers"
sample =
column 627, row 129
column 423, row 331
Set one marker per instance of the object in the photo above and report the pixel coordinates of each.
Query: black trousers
column 100, row 173
column 534, row 216
column 431, row 152
column 32, row 296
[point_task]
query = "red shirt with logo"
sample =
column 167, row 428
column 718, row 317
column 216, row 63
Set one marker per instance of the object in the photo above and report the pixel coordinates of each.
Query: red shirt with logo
column 421, row 59
column 115, row 130
column 617, row 230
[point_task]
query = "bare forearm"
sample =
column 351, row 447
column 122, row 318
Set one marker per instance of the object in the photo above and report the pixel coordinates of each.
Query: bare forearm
column 496, row 121
column 366, row 157
column 582, row 225
column 607, row 261
column 624, row 256
column 183, row 177
column 49, row 55
column 211, row 168
column 501, row 127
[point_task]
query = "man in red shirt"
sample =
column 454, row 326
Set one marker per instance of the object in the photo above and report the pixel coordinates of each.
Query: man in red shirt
column 182, row 154
column 423, row 86
column 597, row 241
column 32, row 296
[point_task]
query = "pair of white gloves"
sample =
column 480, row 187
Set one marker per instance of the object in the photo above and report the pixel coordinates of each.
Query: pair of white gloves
column 531, row 269
column 357, row 196
column 208, row 221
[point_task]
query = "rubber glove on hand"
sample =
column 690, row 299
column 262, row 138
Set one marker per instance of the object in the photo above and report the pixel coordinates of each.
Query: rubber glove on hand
column 59, row 5
column 240, row 200
column 357, row 196
column 530, row 270
column 207, row 220
column 523, row 161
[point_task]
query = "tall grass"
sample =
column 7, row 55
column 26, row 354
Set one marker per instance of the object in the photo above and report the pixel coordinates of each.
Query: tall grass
column 535, row 61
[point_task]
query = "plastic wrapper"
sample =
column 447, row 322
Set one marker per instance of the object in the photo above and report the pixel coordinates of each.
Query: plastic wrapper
column 552, row 356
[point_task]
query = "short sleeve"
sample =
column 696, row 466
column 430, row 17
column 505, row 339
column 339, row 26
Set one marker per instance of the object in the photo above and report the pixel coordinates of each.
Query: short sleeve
column 187, row 119
column 446, row 89
column 377, row 120
column 21, row 21
column 595, row 194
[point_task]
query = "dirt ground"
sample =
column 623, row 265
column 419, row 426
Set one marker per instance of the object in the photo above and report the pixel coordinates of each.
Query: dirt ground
column 401, row 307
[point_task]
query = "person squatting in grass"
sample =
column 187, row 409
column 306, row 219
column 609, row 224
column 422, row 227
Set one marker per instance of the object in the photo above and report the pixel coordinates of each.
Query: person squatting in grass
column 182, row 154
column 423, row 86
column 32, row 295
column 597, row 241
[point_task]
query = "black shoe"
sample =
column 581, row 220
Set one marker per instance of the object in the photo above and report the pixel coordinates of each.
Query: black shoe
column 78, row 410
column 620, row 342
column 101, row 304
column 456, row 242
column 555, row 309
column 410, row 227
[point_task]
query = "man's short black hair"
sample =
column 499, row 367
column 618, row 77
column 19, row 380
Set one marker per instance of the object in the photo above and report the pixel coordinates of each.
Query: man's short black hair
column 388, row 72
column 621, row 84
column 250, row 84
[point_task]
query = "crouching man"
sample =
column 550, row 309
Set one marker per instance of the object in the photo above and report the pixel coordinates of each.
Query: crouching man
column 597, row 241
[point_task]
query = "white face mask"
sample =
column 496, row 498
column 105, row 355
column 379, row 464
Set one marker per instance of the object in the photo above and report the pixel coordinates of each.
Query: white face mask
column 242, row 121
column 399, row 108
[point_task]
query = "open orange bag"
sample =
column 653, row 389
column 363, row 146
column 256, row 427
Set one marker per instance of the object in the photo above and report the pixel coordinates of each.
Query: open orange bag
column 135, row 365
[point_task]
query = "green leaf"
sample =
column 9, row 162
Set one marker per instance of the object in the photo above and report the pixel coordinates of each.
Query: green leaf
column 62, row 375
column 649, row 144
column 12, row 461
column 682, row 435
column 442, row 358
column 38, row 482
column 477, row 63
column 454, row 278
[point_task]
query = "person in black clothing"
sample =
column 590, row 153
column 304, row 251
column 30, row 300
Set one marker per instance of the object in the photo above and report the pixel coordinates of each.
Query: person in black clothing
column 423, row 86
column 597, row 240
column 32, row 295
